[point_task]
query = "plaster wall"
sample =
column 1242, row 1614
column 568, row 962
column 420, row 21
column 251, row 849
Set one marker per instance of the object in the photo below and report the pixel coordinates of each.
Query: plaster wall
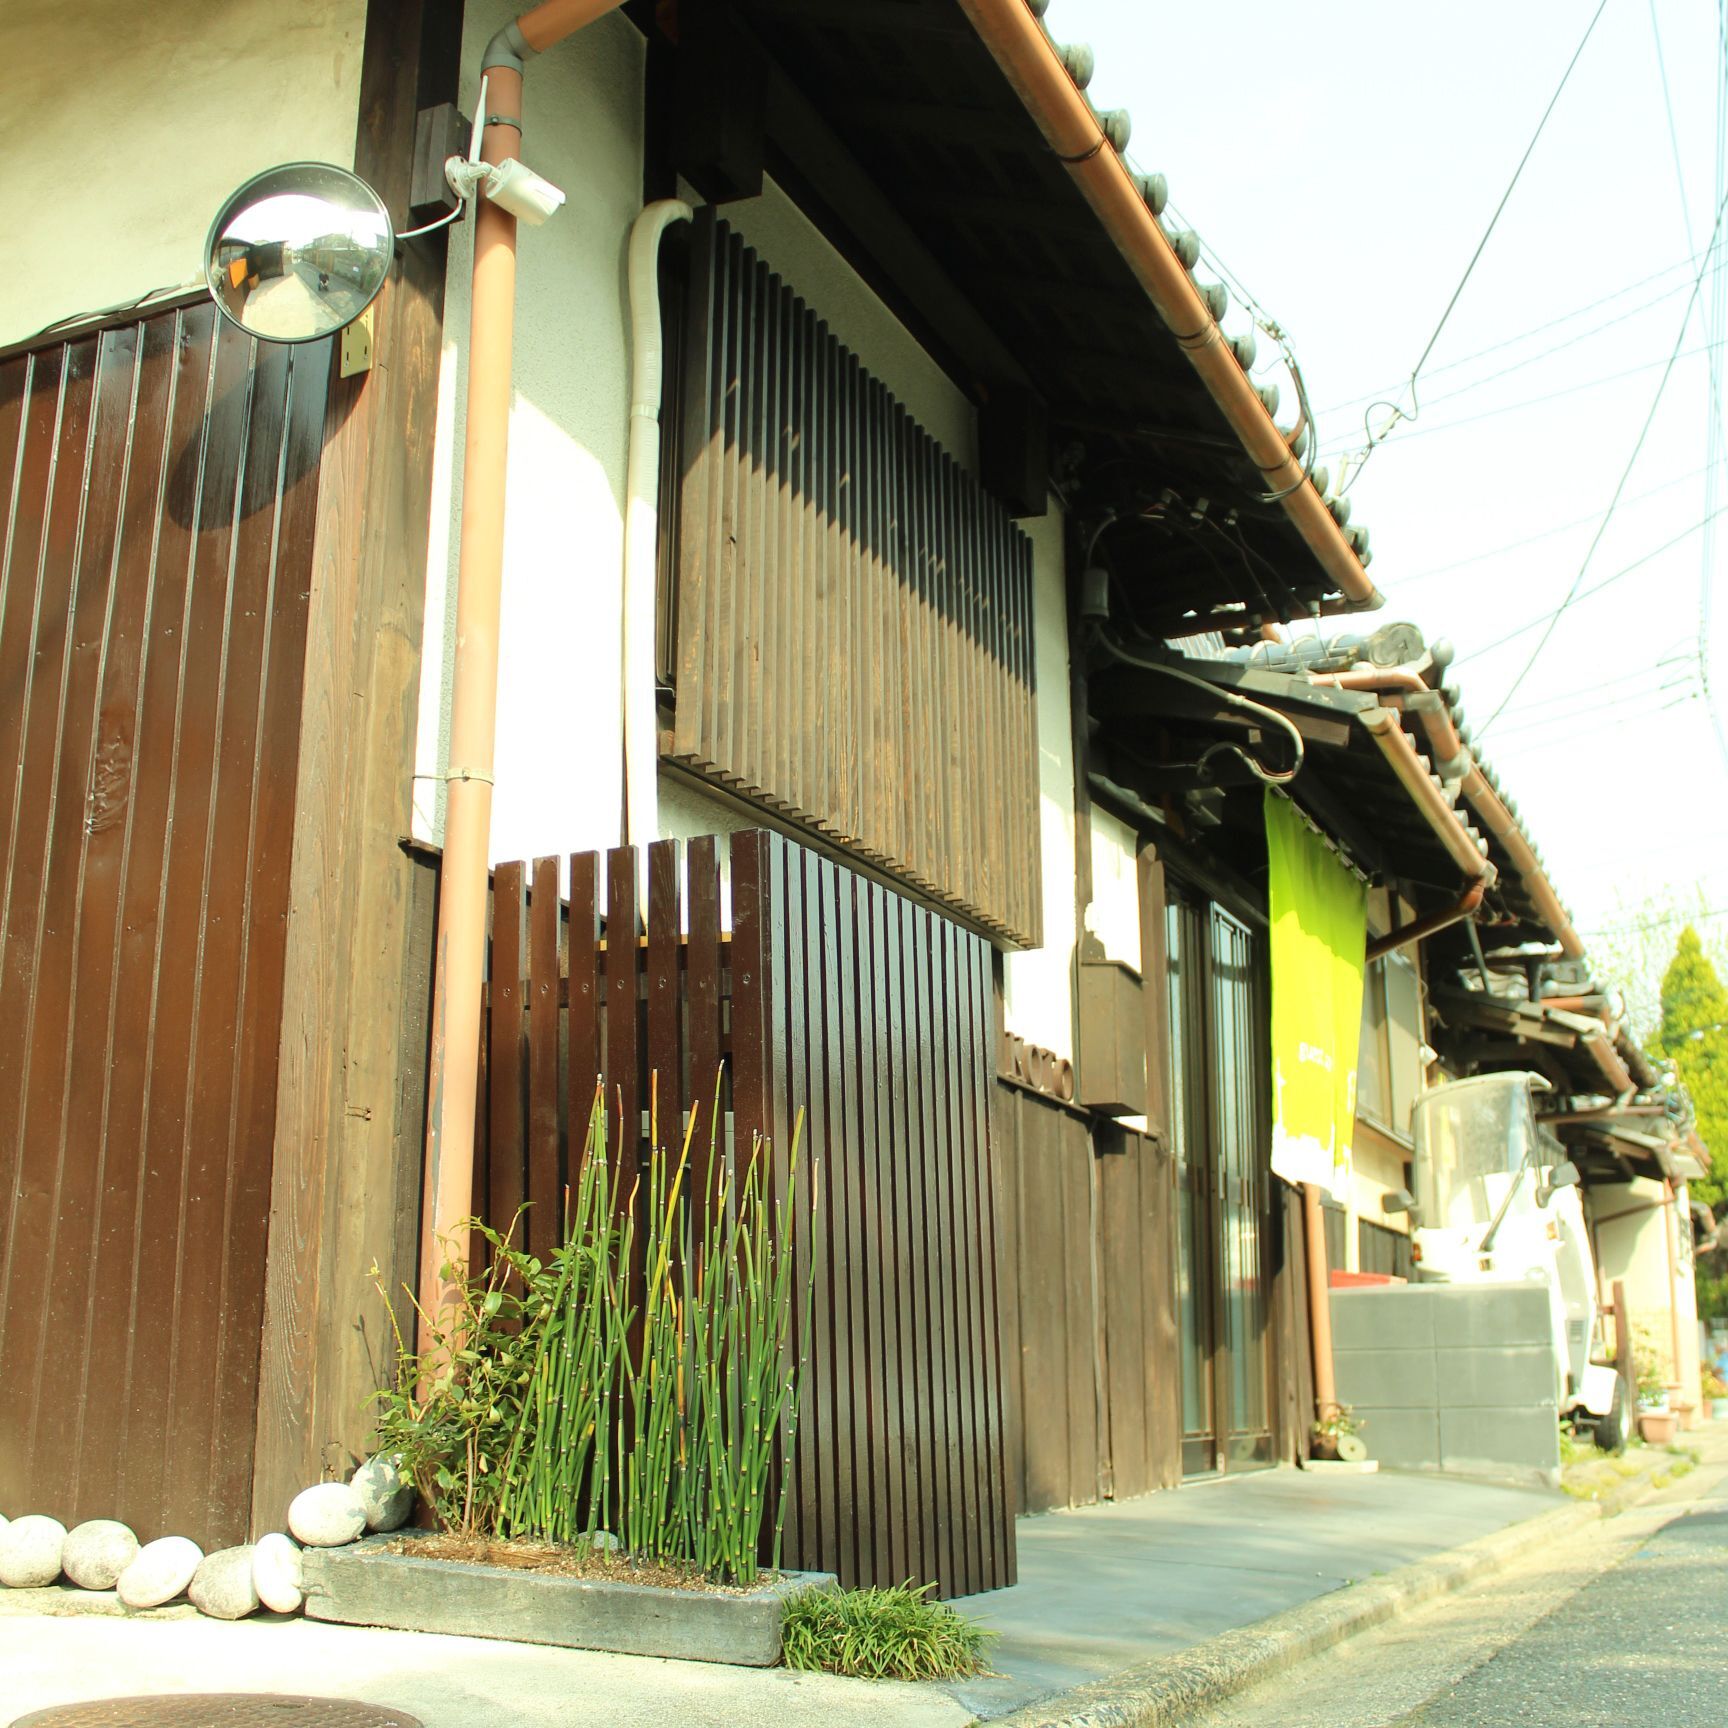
column 558, row 761
column 123, row 127
column 1634, row 1234
column 1377, row 1169
column 1113, row 913
column 1038, row 985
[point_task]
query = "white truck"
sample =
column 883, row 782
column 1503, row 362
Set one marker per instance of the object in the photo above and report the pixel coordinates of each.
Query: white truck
column 1496, row 1200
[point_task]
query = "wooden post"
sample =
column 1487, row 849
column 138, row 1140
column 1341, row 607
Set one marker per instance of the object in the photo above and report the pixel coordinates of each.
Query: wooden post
column 1624, row 1366
column 350, row 1018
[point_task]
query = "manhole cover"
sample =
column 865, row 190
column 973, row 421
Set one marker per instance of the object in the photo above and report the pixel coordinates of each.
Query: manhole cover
column 220, row 1710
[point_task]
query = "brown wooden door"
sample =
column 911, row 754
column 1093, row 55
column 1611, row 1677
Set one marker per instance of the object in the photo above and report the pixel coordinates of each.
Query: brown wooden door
column 157, row 491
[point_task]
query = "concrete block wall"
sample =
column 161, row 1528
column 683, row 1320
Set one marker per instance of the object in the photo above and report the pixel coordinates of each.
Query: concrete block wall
column 1451, row 1377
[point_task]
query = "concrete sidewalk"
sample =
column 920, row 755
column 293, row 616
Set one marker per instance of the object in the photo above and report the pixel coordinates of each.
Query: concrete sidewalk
column 1102, row 1589
column 1107, row 1587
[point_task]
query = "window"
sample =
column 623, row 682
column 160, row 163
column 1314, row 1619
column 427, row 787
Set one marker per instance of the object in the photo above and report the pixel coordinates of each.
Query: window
column 1389, row 1066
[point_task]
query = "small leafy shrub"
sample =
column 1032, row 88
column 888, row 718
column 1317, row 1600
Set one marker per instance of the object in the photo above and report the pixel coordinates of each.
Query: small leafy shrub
column 454, row 1413
column 883, row 1634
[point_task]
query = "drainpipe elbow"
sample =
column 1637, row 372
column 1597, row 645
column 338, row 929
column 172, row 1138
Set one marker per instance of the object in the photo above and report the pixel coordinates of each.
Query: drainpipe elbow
column 509, row 48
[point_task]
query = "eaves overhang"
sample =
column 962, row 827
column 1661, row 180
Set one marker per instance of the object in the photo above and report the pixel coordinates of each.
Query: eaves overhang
column 1031, row 287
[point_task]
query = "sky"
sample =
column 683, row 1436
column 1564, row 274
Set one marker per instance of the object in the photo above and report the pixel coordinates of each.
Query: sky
column 1343, row 161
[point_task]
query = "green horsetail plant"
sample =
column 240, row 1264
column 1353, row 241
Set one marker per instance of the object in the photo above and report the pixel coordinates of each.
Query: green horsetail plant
column 661, row 1377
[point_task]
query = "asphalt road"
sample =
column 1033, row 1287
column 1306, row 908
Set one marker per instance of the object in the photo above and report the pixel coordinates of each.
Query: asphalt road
column 1627, row 1624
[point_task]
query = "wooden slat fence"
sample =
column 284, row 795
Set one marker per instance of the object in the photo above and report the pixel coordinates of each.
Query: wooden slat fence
column 828, row 995
column 158, row 495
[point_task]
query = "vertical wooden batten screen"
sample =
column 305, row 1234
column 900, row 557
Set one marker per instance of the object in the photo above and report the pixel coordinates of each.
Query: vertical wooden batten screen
column 158, row 487
column 850, row 618
column 834, row 996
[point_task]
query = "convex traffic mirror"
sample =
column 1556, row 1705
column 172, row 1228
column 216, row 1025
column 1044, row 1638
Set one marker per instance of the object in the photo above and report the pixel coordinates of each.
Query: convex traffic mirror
column 298, row 252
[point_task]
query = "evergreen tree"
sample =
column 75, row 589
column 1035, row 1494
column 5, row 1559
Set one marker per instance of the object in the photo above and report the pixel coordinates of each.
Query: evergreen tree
column 1694, row 1037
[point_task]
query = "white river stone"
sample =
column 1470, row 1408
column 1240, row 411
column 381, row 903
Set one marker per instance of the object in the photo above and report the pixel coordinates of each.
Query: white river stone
column 162, row 1570
column 97, row 1552
column 30, row 1551
column 276, row 1574
column 385, row 1495
column 326, row 1515
column 222, row 1585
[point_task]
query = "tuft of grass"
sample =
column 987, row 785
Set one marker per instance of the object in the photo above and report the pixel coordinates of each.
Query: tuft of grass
column 882, row 1634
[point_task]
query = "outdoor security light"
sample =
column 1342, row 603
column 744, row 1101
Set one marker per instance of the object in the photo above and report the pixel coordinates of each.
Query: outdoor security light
column 299, row 252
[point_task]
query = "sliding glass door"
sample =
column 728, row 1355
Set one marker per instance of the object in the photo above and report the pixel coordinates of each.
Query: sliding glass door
column 1220, row 1139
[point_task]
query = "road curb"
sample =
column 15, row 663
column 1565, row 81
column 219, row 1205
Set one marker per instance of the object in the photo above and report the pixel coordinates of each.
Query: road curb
column 1171, row 1689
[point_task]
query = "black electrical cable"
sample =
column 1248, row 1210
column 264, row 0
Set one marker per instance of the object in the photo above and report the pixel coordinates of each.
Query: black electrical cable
column 1221, row 693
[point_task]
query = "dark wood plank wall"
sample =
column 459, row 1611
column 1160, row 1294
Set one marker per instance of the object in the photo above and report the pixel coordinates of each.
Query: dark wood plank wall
column 832, row 998
column 1137, row 1262
column 1050, row 1311
column 852, row 618
column 1088, row 1271
column 158, row 491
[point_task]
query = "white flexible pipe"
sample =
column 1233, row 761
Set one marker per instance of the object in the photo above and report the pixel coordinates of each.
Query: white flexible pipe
column 642, row 523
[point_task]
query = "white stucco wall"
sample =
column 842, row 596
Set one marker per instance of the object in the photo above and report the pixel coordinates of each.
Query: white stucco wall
column 123, row 126
column 1634, row 1233
column 1038, row 986
column 1113, row 915
column 557, row 764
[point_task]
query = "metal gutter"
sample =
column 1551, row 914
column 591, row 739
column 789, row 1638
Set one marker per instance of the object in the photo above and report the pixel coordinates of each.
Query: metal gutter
column 1031, row 64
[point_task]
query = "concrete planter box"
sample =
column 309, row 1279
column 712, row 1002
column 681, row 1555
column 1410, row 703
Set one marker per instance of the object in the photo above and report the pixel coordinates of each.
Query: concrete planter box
column 366, row 1585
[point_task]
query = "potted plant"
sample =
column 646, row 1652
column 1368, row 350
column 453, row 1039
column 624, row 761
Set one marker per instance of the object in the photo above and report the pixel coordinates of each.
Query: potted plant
column 1338, row 1435
column 1715, row 1394
column 1657, row 1421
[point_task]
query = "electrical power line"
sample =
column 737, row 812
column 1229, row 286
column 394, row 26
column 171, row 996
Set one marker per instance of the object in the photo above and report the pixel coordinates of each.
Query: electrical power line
column 1547, row 324
column 1538, row 401
column 1666, row 922
column 1404, row 582
column 1597, row 688
column 1626, row 472
column 1595, row 588
column 1476, row 256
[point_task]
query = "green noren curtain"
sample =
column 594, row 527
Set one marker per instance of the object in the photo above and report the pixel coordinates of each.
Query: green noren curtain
column 1319, row 914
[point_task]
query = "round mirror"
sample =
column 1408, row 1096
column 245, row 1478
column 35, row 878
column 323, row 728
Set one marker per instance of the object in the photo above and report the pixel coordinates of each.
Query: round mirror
column 299, row 251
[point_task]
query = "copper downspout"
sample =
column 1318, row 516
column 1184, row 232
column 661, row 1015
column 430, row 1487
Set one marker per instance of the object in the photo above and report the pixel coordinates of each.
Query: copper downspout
column 1423, row 928
column 1319, row 1303
column 459, row 960
column 1449, row 750
column 1031, row 64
